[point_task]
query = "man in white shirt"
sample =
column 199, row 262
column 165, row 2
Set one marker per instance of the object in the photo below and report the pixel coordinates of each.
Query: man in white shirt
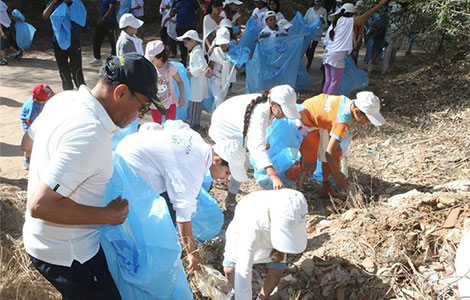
column 173, row 161
column 266, row 226
column 71, row 164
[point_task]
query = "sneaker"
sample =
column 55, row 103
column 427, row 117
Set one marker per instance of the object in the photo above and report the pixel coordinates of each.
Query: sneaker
column 3, row 62
column 96, row 62
column 26, row 164
column 19, row 55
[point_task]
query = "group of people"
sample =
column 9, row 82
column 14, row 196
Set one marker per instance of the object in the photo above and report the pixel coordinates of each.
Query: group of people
column 71, row 161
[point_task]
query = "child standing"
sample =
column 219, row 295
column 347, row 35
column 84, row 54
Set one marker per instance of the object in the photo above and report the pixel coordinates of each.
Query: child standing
column 196, row 67
column 31, row 110
column 220, row 67
column 128, row 40
column 259, row 12
column 7, row 42
column 156, row 54
column 317, row 11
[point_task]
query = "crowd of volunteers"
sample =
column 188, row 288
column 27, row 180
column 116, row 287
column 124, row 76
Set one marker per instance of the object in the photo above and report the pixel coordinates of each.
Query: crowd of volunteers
column 68, row 139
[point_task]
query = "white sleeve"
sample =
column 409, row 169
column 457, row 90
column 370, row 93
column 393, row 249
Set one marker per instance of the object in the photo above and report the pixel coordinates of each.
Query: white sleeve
column 244, row 263
column 256, row 136
column 182, row 194
column 198, row 64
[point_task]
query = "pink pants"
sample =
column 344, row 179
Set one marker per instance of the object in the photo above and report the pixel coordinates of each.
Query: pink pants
column 333, row 79
column 170, row 114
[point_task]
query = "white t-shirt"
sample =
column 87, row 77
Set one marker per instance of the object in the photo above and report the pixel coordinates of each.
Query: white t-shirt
column 270, row 33
column 228, row 121
column 72, row 154
column 172, row 161
column 259, row 14
column 248, row 238
column 138, row 12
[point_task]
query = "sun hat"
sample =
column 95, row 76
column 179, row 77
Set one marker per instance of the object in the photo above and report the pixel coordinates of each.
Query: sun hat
column 369, row 104
column 284, row 24
column 288, row 228
column 226, row 23
column 233, row 152
column 227, row 2
column 269, row 14
column 285, row 96
column 153, row 48
column 42, row 92
column 190, row 34
column 347, row 7
column 222, row 36
column 128, row 20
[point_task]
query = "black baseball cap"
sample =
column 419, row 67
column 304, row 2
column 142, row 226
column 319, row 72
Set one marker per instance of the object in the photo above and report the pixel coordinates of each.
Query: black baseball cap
column 137, row 73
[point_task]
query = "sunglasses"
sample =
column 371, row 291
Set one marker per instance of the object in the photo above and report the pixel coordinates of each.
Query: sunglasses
column 145, row 106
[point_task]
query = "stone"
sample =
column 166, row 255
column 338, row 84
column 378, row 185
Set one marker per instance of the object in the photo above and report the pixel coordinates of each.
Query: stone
column 308, row 266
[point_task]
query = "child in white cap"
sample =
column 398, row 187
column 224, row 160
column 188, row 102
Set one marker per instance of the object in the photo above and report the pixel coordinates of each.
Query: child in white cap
column 220, row 67
column 128, row 41
column 266, row 226
column 155, row 52
column 272, row 29
column 328, row 120
column 245, row 118
column 196, row 67
column 231, row 12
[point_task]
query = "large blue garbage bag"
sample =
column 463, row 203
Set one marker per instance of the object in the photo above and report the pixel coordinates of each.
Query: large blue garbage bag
column 207, row 182
column 78, row 13
column 143, row 253
column 238, row 55
column 24, row 31
column 208, row 219
column 274, row 62
column 124, row 7
column 247, row 39
column 208, row 103
column 129, row 129
column 60, row 20
column 353, row 78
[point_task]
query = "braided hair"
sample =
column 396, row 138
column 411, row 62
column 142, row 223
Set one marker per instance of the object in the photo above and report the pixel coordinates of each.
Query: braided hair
column 342, row 13
column 249, row 109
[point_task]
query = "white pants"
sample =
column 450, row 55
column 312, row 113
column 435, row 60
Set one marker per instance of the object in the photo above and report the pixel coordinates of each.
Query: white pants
column 218, row 91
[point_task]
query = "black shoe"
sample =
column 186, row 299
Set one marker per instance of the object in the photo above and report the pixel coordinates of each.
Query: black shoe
column 3, row 62
column 19, row 55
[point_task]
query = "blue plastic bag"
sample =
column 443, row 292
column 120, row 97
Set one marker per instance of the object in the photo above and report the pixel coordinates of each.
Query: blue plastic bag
column 238, row 56
column 247, row 39
column 24, row 31
column 353, row 78
column 207, row 182
column 208, row 219
column 181, row 111
column 124, row 7
column 60, row 20
column 208, row 103
column 143, row 253
column 78, row 13
column 129, row 129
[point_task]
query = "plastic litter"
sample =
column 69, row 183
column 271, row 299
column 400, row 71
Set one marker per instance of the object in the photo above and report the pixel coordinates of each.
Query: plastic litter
column 211, row 283
column 143, row 253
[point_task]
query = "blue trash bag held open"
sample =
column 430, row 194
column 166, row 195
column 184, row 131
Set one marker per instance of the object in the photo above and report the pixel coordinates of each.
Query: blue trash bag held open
column 247, row 39
column 208, row 219
column 60, row 20
column 24, row 31
column 129, row 129
column 238, row 55
column 353, row 78
column 78, row 13
column 143, row 253
column 124, row 7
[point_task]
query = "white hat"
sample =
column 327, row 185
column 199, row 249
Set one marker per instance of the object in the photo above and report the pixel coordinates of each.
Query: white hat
column 284, row 24
column 128, row 20
column 369, row 104
column 190, row 34
column 153, row 48
column 149, row 126
column 288, row 227
column 232, row 152
column 227, row 2
column 226, row 23
column 285, row 96
column 269, row 14
column 347, row 7
column 222, row 36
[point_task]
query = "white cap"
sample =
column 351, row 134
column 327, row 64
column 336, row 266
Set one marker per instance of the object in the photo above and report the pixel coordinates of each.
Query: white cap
column 369, row 104
column 128, row 20
column 285, row 96
column 288, row 227
column 190, row 34
column 149, row 126
column 347, row 7
column 153, row 48
column 226, row 23
column 227, row 2
column 233, row 152
column 222, row 36
column 269, row 14
column 284, row 24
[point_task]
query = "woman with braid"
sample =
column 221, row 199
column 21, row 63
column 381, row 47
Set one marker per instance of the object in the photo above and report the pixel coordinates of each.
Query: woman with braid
column 245, row 118
column 339, row 43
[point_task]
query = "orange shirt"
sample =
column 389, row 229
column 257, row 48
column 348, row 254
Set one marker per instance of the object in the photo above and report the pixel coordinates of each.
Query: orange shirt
column 332, row 113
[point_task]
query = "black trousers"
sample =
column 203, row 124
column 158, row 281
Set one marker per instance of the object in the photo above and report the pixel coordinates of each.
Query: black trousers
column 183, row 50
column 88, row 281
column 167, row 40
column 105, row 29
column 70, row 65
column 310, row 53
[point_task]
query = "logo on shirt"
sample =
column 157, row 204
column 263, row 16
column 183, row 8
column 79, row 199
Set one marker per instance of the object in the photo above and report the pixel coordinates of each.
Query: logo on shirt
column 329, row 101
column 177, row 141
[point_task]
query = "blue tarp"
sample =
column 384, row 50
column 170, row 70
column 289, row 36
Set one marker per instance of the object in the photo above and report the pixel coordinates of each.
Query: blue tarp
column 60, row 20
column 353, row 78
column 24, row 31
column 78, row 13
column 143, row 253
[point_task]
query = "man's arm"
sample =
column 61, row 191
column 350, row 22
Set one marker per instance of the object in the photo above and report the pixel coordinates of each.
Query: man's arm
column 110, row 10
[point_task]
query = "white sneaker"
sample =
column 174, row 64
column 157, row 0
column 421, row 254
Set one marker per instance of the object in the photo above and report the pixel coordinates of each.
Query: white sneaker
column 96, row 62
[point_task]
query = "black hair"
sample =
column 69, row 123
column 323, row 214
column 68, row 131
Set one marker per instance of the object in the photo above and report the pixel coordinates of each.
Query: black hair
column 342, row 13
column 223, row 162
column 163, row 56
column 214, row 3
column 249, row 109
column 278, row 8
